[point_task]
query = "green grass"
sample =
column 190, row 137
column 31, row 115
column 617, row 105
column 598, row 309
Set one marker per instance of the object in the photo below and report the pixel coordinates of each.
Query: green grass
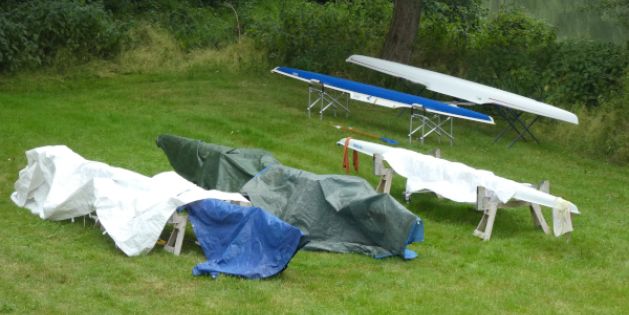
column 63, row 267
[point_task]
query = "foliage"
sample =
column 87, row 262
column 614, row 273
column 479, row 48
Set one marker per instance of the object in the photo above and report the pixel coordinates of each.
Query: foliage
column 518, row 53
column 585, row 71
column 319, row 37
column 130, row 9
column 603, row 131
column 156, row 50
column 194, row 23
column 466, row 14
column 507, row 49
column 39, row 32
column 36, row 32
column 444, row 35
column 614, row 9
column 194, row 26
column 511, row 51
column 597, row 20
column 18, row 46
column 617, row 144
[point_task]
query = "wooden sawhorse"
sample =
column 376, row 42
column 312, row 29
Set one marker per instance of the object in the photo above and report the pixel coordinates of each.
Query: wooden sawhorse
column 486, row 200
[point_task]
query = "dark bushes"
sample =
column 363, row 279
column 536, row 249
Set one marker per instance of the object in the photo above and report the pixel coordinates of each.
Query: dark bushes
column 319, row 37
column 512, row 51
column 18, row 47
column 445, row 33
column 518, row 53
column 585, row 72
column 35, row 32
column 195, row 24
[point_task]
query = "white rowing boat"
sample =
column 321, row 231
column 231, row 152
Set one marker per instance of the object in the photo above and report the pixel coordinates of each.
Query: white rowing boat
column 473, row 92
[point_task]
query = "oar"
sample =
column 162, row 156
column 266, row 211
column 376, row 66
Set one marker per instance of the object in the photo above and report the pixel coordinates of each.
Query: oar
column 367, row 134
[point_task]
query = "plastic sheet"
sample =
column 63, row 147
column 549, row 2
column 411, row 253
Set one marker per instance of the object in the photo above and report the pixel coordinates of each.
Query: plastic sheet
column 58, row 184
column 241, row 241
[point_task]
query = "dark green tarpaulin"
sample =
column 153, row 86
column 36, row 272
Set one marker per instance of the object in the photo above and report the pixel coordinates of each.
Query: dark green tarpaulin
column 335, row 212
column 213, row 166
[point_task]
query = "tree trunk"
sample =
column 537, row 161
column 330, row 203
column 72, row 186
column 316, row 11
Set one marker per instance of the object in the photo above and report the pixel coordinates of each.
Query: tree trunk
column 398, row 45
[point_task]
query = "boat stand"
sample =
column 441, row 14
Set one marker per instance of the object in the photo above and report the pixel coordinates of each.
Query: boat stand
column 488, row 202
column 179, row 221
column 175, row 241
column 385, row 174
column 326, row 99
column 428, row 125
column 517, row 123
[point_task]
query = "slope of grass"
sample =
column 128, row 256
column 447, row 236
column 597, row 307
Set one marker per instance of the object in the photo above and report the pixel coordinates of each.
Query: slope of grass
column 64, row 267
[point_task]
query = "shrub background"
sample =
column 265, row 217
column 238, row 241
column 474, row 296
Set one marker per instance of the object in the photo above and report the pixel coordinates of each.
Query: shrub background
column 507, row 49
column 35, row 33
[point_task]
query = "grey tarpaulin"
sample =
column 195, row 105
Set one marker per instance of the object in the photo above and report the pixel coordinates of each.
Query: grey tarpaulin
column 336, row 213
column 213, row 166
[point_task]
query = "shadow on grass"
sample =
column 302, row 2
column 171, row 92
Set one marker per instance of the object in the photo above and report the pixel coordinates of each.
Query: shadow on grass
column 509, row 223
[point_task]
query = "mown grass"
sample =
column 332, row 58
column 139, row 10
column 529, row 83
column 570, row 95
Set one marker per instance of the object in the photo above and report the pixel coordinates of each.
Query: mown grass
column 64, row 267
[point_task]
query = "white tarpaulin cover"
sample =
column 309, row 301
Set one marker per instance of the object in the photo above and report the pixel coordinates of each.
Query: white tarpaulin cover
column 459, row 182
column 58, row 184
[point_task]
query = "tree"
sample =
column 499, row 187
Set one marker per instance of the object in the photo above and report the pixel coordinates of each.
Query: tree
column 617, row 10
column 398, row 45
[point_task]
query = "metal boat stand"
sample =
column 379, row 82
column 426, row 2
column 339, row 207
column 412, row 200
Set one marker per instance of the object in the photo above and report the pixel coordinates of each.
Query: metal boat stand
column 326, row 99
column 429, row 123
column 517, row 123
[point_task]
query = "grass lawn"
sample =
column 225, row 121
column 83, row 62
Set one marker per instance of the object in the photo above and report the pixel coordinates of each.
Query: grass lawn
column 64, row 267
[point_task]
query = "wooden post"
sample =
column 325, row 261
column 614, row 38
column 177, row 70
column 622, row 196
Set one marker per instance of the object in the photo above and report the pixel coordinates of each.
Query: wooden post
column 175, row 241
column 536, row 210
column 385, row 173
column 436, row 153
column 488, row 202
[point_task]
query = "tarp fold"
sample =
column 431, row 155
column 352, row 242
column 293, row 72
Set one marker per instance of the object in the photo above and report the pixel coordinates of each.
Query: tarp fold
column 336, row 213
column 213, row 166
column 241, row 241
column 59, row 184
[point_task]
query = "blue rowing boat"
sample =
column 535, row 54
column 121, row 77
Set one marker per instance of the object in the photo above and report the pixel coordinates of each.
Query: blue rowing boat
column 382, row 97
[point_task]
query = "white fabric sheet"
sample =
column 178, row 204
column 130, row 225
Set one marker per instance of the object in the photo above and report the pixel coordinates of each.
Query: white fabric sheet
column 562, row 223
column 453, row 180
column 59, row 184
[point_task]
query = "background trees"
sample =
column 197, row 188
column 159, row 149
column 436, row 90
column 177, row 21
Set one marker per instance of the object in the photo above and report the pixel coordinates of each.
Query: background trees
column 398, row 44
column 505, row 47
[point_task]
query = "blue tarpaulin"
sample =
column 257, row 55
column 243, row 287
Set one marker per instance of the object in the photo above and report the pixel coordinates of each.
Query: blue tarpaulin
column 241, row 241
